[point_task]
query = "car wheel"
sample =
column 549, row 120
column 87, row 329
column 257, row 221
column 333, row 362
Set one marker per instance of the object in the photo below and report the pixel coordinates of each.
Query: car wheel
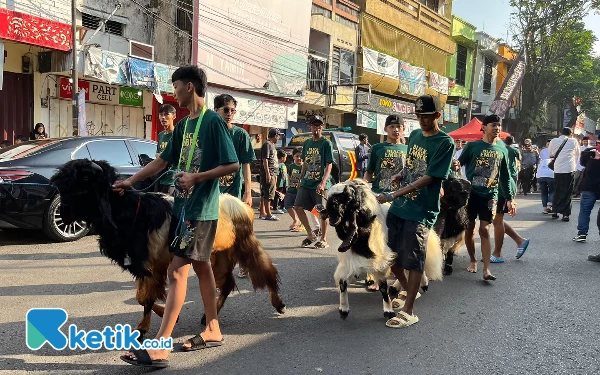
column 56, row 229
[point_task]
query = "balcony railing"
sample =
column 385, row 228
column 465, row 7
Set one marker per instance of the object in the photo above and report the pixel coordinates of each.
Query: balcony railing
column 318, row 74
column 422, row 14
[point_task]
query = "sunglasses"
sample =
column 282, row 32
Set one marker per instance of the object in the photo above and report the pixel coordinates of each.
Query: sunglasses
column 228, row 110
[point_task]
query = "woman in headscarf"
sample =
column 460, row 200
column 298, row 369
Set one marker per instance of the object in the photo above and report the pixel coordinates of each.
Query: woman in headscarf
column 40, row 131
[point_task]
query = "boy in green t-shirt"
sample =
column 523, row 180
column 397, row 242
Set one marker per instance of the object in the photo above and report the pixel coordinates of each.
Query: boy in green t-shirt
column 166, row 115
column 416, row 205
column 202, row 149
column 225, row 105
column 487, row 168
column 282, row 183
column 294, row 172
column 386, row 161
column 317, row 154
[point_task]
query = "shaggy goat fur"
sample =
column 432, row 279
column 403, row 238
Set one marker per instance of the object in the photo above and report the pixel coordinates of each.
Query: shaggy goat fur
column 133, row 231
column 359, row 221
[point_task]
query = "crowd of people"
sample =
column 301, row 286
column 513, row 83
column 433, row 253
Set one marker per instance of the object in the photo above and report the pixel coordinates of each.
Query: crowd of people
column 39, row 132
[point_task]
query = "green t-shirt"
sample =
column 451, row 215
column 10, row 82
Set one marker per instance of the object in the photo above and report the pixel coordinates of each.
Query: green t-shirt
column 427, row 156
column 486, row 166
column 163, row 141
column 386, row 161
column 232, row 184
column 513, row 155
column 213, row 148
column 316, row 155
column 282, row 177
column 294, row 172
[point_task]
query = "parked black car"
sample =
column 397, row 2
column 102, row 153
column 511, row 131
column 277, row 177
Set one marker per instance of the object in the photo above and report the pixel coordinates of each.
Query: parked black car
column 28, row 201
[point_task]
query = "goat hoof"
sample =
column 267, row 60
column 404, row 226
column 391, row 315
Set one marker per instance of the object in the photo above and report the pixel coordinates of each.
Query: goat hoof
column 389, row 314
column 281, row 309
column 203, row 320
column 344, row 314
column 448, row 269
column 425, row 288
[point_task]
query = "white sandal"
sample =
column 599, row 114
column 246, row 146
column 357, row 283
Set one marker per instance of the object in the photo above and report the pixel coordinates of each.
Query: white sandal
column 397, row 322
column 398, row 303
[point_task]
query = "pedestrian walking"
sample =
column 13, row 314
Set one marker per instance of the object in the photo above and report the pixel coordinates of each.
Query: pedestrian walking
column 362, row 155
column 487, row 166
column 545, row 178
column 294, row 172
column 585, row 144
column 565, row 151
column 166, row 116
column 590, row 191
column 269, row 168
column 416, row 204
column 202, row 148
column 529, row 160
column 317, row 154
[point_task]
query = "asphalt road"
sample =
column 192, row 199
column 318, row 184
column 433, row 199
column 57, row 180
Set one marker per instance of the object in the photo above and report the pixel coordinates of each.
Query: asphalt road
column 540, row 317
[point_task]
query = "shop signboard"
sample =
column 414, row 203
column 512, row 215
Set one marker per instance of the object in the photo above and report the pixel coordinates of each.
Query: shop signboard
column 95, row 92
column 130, row 96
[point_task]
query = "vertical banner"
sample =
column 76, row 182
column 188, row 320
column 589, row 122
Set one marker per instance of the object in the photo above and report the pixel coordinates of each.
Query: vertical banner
column 510, row 86
column 413, row 79
column 81, row 121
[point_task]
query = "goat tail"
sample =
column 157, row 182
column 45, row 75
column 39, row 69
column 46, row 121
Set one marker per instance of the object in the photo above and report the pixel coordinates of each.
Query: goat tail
column 434, row 257
column 249, row 253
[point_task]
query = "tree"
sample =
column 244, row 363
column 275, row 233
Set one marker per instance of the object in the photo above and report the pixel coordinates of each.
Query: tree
column 559, row 51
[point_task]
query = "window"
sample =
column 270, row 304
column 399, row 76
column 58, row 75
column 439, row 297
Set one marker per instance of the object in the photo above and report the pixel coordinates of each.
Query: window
column 183, row 18
column 346, row 22
column 93, row 22
column 431, row 4
column 114, row 152
column 461, row 65
column 347, row 142
column 316, row 10
column 342, row 66
column 145, row 150
column 487, row 76
column 317, row 74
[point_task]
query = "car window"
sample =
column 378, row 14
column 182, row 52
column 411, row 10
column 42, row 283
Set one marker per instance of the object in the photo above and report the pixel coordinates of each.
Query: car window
column 145, row 150
column 82, row 153
column 346, row 142
column 114, row 152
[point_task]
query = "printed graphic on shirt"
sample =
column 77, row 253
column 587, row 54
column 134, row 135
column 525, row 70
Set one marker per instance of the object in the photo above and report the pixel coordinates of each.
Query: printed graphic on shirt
column 487, row 169
column 227, row 180
column 313, row 164
column 294, row 176
column 392, row 163
column 188, row 138
column 416, row 167
column 162, row 146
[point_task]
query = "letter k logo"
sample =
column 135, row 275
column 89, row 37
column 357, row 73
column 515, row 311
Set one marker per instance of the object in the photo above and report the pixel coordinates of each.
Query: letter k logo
column 43, row 325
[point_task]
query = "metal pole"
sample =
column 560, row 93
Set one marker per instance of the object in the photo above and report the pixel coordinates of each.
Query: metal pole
column 195, row 26
column 470, row 107
column 74, row 86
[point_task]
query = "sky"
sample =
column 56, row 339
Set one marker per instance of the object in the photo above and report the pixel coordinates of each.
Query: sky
column 493, row 17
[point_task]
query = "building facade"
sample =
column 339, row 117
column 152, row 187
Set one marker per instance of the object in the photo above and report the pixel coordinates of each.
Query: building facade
column 404, row 48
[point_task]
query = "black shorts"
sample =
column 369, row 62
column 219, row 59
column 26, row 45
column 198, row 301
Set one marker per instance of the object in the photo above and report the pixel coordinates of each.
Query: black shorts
column 408, row 239
column 308, row 198
column 289, row 200
column 267, row 191
column 502, row 207
column 483, row 208
column 196, row 240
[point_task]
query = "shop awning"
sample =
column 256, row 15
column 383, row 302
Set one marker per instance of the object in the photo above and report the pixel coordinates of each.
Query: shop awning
column 472, row 132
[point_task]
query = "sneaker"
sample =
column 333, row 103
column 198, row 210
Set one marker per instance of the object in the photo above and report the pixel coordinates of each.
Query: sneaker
column 580, row 238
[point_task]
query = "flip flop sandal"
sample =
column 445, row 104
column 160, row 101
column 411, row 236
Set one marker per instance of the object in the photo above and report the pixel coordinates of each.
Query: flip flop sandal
column 295, row 229
column 521, row 250
column 142, row 359
column 398, row 303
column 398, row 322
column 321, row 245
column 493, row 259
column 198, row 343
column 307, row 242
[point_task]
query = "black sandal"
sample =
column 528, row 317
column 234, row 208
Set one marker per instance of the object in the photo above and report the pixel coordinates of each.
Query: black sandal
column 142, row 358
column 198, row 343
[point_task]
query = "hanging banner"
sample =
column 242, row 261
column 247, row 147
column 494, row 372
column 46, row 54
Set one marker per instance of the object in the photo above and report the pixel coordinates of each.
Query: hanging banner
column 509, row 87
column 141, row 73
column 162, row 75
column 105, row 66
column 81, row 121
column 28, row 29
column 413, row 79
column 380, row 63
column 451, row 113
column 438, row 83
column 366, row 119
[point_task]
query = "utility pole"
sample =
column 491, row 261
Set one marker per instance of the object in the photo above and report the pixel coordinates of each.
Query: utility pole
column 74, row 85
column 470, row 107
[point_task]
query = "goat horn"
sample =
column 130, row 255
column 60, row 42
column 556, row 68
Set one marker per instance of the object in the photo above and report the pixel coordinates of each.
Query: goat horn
column 97, row 167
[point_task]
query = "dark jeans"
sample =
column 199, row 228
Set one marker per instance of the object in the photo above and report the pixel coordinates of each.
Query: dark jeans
column 547, row 188
column 588, row 200
column 526, row 177
column 561, row 202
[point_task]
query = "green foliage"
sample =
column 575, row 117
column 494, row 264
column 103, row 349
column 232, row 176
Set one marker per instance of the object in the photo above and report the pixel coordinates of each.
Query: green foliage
column 560, row 61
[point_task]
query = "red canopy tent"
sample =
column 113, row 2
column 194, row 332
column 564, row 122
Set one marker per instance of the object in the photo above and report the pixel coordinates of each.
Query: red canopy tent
column 472, row 131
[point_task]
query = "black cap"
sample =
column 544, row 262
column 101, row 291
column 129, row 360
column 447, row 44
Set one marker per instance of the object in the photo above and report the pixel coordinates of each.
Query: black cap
column 394, row 119
column 274, row 132
column 490, row 119
column 314, row 119
column 427, row 105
